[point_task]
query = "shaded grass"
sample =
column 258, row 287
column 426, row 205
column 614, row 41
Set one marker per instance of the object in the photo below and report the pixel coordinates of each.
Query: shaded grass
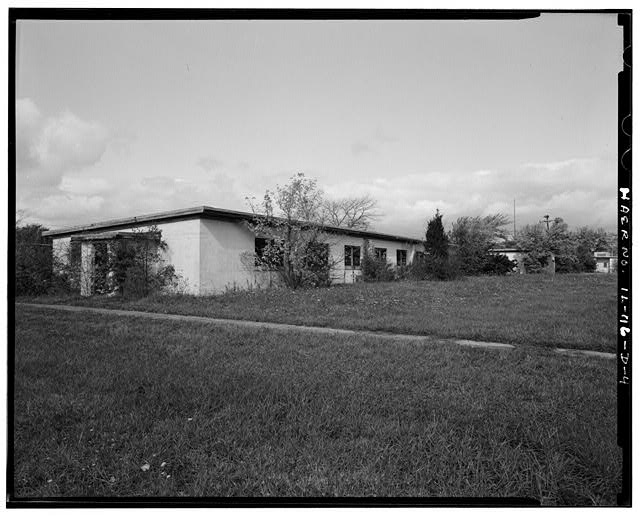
column 569, row 310
column 260, row 413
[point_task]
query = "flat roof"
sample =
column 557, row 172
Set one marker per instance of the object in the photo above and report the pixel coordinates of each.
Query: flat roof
column 202, row 212
column 115, row 235
column 507, row 250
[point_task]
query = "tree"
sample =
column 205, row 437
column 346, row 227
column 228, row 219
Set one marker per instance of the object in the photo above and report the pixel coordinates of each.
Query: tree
column 436, row 243
column 473, row 237
column 351, row 212
column 33, row 265
column 290, row 222
column 573, row 250
column 534, row 238
column 436, row 263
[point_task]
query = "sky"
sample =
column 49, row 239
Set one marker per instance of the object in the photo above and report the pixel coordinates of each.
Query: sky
column 116, row 119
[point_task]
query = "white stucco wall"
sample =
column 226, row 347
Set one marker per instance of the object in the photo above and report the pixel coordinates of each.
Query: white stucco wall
column 342, row 274
column 223, row 244
column 183, row 251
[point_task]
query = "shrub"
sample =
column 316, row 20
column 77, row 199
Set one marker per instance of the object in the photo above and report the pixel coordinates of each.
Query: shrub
column 33, row 265
column 375, row 268
column 433, row 268
column 498, row 264
column 535, row 262
column 568, row 263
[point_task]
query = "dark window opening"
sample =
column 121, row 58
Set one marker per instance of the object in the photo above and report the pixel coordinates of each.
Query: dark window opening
column 401, row 257
column 267, row 253
column 381, row 253
column 317, row 256
column 351, row 256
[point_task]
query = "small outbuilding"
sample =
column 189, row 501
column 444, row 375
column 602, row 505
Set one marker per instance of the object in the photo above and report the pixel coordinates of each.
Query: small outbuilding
column 606, row 261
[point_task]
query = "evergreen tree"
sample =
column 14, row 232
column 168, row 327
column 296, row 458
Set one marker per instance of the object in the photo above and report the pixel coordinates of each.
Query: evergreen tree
column 436, row 243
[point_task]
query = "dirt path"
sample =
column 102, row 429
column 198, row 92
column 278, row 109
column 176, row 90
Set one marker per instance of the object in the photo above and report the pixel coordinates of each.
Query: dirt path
column 292, row 327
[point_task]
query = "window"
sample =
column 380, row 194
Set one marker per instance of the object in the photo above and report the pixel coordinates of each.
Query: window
column 381, row 253
column 352, row 256
column 401, row 257
column 266, row 253
column 317, row 256
column 261, row 243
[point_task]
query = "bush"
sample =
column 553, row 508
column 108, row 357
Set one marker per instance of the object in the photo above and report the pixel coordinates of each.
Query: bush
column 376, row 269
column 567, row 264
column 134, row 284
column 34, row 264
column 137, row 270
column 433, row 268
column 535, row 262
column 498, row 264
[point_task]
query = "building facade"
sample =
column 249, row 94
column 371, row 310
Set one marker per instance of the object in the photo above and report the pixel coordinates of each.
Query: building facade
column 606, row 261
column 213, row 250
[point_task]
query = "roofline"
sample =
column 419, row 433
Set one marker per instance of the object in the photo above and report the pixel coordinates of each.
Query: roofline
column 202, row 212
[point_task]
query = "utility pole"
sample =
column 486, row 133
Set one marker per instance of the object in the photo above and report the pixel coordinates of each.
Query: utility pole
column 514, row 220
column 546, row 221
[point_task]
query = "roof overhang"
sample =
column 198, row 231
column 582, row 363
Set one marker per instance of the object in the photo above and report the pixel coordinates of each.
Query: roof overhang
column 115, row 235
column 201, row 212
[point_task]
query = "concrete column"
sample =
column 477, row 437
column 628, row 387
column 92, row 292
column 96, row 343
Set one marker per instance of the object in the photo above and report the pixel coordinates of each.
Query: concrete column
column 87, row 268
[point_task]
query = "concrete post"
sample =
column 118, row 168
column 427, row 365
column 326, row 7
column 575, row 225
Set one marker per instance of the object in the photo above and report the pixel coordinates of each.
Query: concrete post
column 87, row 268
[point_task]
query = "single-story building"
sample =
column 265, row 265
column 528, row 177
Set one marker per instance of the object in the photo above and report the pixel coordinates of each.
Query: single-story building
column 514, row 254
column 206, row 247
column 606, row 261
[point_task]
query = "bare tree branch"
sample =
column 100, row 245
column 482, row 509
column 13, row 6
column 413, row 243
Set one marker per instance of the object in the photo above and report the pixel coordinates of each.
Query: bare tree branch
column 351, row 212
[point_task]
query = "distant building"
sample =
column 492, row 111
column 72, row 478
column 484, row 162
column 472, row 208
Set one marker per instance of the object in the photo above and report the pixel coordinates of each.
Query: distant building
column 606, row 261
column 206, row 246
column 514, row 254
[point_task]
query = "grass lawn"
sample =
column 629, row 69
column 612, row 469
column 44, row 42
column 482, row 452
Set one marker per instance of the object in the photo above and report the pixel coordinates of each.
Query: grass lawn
column 229, row 412
column 566, row 310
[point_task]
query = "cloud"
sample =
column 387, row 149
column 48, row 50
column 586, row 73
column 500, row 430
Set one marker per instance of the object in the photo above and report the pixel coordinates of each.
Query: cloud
column 208, row 164
column 47, row 148
column 556, row 165
column 67, row 209
column 383, row 137
column 371, row 143
column 582, row 191
column 359, row 147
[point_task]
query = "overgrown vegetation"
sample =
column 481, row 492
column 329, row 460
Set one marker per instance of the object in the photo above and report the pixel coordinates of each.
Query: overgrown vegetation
column 473, row 238
column 375, row 266
column 289, row 223
column 131, row 265
column 109, row 406
column 435, row 263
column 33, row 261
column 572, row 250
column 136, row 267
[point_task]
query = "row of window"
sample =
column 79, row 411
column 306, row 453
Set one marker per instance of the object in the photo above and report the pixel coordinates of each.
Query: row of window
column 351, row 254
